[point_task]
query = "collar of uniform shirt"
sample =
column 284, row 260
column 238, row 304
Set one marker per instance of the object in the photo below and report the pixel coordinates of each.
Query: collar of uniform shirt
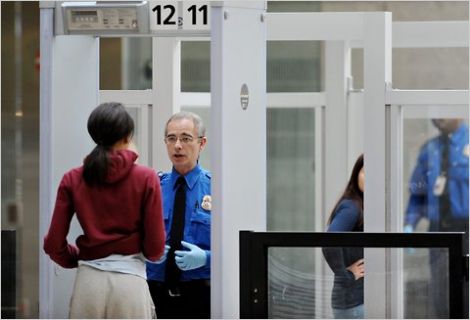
column 191, row 177
column 460, row 134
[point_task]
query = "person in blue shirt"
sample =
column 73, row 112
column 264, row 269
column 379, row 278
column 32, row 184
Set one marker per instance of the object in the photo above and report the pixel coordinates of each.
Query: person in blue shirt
column 189, row 260
column 347, row 264
column 438, row 190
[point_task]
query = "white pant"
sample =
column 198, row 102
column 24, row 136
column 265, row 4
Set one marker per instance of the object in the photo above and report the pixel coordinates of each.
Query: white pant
column 102, row 294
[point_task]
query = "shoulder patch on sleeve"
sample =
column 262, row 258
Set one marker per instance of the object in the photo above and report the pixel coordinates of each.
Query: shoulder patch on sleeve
column 162, row 175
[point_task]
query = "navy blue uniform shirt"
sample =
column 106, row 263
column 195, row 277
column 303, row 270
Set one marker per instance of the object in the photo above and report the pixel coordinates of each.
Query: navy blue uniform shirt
column 423, row 202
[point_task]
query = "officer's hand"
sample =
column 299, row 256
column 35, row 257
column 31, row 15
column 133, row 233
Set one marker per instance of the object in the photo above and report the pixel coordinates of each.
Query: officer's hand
column 163, row 257
column 408, row 228
column 192, row 259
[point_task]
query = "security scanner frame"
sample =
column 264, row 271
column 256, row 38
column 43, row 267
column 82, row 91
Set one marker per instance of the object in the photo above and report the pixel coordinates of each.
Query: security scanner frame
column 254, row 260
column 238, row 35
column 102, row 18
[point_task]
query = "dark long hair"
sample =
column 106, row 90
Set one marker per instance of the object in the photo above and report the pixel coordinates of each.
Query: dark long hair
column 352, row 192
column 108, row 123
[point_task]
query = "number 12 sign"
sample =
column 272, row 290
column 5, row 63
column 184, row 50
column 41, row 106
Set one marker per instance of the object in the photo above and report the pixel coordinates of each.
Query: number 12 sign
column 173, row 15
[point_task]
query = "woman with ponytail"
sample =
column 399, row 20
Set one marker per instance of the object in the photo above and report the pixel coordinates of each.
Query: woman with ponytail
column 119, row 208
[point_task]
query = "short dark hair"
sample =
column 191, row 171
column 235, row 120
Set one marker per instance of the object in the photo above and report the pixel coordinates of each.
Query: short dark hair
column 107, row 124
column 198, row 123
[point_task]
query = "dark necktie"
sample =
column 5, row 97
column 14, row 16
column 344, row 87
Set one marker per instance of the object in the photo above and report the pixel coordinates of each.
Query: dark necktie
column 444, row 201
column 172, row 272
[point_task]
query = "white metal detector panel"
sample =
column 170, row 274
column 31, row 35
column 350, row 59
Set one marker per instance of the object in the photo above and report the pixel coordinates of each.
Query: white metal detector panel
column 238, row 88
column 74, row 91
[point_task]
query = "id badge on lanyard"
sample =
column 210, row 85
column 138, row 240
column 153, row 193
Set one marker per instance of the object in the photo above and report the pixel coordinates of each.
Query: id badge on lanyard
column 439, row 185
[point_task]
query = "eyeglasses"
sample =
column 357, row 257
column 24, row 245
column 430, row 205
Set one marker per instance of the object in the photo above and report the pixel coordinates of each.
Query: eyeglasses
column 185, row 139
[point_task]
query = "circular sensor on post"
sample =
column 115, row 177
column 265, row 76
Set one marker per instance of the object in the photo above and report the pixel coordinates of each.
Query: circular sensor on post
column 244, row 96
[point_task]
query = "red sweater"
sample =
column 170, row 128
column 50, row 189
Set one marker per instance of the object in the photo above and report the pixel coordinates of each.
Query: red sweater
column 124, row 216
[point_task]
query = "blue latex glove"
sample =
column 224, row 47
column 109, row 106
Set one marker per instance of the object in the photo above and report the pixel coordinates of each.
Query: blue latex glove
column 409, row 229
column 192, row 259
column 163, row 257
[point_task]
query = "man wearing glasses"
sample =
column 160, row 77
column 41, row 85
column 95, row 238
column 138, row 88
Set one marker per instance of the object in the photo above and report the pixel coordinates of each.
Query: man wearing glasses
column 180, row 281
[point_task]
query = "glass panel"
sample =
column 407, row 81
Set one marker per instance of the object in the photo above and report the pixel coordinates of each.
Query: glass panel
column 421, row 69
column 292, row 284
column 134, row 113
column 291, row 166
column 195, row 66
column 293, row 6
column 436, row 173
column 405, row 10
column 431, row 68
column 293, row 66
column 110, row 64
column 435, row 190
column 141, row 142
column 291, row 169
column 126, row 63
column 426, row 279
column 415, row 134
column 302, row 283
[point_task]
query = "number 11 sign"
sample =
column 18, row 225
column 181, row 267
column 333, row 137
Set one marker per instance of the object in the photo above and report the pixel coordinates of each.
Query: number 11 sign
column 174, row 15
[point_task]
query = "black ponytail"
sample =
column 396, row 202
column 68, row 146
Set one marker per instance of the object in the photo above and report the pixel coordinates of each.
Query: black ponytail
column 95, row 166
column 108, row 123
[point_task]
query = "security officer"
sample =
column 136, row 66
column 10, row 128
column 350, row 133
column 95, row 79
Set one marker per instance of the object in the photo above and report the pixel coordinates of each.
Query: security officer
column 180, row 282
column 439, row 191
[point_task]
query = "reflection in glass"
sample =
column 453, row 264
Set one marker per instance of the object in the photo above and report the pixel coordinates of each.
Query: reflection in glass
column 134, row 113
column 300, row 282
column 126, row 63
column 139, row 139
column 438, row 189
column 195, row 66
column 292, row 284
column 438, row 185
column 347, row 297
column 293, row 66
column 423, row 285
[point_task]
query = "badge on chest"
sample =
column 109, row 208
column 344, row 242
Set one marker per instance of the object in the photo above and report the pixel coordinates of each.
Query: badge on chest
column 440, row 185
column 466, row 150
column 207, row 203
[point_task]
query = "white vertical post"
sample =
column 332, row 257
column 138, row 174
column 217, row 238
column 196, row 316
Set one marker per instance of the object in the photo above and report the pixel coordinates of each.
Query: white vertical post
column 166, row 84
column 238, row 157
column 396, row 209
column 321, row 268
column 69, row 92
column 46, row 270
column 355, row 127
column 377, row 75
column 337, row 72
